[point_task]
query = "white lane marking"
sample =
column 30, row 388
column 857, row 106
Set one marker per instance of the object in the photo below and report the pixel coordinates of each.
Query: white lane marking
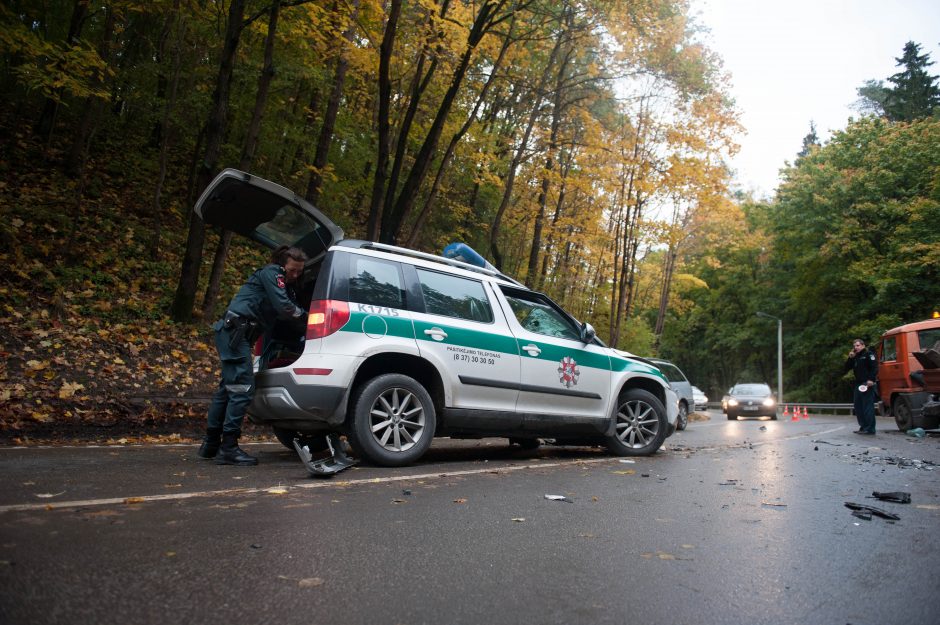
column 373, row 480
column 280, row 487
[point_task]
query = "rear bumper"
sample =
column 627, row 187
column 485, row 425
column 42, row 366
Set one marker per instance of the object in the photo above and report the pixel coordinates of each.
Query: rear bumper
column 282, row 401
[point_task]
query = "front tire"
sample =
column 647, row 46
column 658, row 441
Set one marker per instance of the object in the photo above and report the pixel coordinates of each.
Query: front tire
column 639, row 424
column 393, row 420
column 903, row 413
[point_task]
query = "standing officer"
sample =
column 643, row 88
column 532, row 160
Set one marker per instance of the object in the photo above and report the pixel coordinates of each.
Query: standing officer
column 863, row 362
column 254, row 309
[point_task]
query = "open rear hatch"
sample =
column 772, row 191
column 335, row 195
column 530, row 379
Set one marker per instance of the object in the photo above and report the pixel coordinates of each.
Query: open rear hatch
column 267, row 213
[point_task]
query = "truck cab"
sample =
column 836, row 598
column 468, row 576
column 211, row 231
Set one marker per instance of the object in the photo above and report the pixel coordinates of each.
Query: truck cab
column 902, row 365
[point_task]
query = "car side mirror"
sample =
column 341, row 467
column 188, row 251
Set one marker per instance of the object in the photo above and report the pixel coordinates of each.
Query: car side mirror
column 587, row 333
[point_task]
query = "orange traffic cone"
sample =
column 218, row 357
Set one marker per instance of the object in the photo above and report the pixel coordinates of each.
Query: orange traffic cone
column 786, row 411
column 805, row 415
column 796, row 414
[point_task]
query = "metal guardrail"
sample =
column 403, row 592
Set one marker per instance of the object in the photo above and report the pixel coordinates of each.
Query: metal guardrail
column 812, row 408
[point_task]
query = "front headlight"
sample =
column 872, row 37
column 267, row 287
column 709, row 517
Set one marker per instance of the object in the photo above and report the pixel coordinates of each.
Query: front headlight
column 732, row 402
column 769, row 401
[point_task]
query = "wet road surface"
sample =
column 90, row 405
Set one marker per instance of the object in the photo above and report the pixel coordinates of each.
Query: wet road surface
column 729, row 523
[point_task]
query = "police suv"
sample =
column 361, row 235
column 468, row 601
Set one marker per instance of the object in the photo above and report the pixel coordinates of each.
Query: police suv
column 401, row 346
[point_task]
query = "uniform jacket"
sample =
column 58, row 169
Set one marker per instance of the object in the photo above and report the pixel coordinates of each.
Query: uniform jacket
column 865, row 366
column 265, row 297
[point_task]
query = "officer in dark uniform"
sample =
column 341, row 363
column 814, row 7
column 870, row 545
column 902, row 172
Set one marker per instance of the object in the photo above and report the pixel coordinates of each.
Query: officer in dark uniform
column 865, row 365
column 266, row 296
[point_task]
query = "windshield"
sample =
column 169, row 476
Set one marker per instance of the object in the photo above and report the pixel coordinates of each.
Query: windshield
column 751, row 389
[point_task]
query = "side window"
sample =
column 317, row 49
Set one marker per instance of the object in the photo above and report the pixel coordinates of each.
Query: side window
column 889, row 350
column 538, row 316
column 452, row 296
column 375, row 282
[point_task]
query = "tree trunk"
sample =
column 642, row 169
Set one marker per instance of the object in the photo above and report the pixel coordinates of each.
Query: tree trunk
column 392, row 224
column 244, row 163
column 185, row 297
column 50, row 108
column 452, row 146
column 165, row 136
column 314, row 186
column 518, row 158
column 384, row 132
column 78, row 153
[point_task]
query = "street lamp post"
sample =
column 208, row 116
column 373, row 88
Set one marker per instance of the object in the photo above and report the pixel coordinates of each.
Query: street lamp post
column 779, row 354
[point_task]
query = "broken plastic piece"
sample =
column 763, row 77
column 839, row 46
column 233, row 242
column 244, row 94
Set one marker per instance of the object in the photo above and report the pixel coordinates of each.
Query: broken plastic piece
column 917, row 432
column 336, row 462
column 873, row 510
column 896, row 497
column 558, row 498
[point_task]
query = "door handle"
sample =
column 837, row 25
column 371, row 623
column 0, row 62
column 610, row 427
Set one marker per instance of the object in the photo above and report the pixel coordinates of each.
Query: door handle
column 532, row 349
column 436, row 333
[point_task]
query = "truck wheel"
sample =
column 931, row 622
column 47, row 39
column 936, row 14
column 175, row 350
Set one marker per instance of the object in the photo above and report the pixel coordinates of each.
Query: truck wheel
column 639, row 424
column 393, row 420
column 903, row 413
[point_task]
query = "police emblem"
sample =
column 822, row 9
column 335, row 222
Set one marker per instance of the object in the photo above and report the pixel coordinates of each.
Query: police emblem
column 568, row 372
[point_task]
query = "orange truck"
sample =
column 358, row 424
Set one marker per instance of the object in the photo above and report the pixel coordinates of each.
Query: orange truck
column 909, row 374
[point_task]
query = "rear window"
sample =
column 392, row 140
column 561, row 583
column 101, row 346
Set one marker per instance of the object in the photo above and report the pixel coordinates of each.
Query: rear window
column 375, row 282
column 672, row 372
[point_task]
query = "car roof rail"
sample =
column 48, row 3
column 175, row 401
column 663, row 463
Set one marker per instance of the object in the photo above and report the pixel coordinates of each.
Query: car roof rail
column 404, row 251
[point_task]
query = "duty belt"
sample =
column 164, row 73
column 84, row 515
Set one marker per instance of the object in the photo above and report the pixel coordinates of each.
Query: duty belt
column 240, row 327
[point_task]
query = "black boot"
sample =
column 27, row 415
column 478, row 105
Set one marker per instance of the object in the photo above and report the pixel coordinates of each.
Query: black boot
column 231, row 453
column 210, row 444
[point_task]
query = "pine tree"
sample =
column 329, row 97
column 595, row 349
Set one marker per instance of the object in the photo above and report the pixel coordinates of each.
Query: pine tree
column 810, row 141
column 913, row 93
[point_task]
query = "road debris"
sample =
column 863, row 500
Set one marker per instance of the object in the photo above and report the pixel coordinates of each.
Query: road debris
column 558, row 498
column 819, row 440
column 884, row 514
column 895, row 497
column 917, row 432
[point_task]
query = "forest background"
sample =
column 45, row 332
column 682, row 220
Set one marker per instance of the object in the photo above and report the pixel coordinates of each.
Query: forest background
column 580, row 145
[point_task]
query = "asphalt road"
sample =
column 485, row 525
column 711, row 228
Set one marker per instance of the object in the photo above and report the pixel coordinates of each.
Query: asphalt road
column 739, row 522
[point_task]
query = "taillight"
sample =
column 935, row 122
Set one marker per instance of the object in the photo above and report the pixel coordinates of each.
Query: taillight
column 326, row 317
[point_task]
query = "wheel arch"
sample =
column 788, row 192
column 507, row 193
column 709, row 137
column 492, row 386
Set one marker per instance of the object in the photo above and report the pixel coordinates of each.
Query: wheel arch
column 406, row 364
column 649, row 385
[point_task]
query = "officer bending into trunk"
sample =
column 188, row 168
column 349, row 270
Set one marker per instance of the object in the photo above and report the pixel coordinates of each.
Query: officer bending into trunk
column 264, row 298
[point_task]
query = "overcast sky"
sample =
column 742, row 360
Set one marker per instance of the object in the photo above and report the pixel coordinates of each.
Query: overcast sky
column 792, row 61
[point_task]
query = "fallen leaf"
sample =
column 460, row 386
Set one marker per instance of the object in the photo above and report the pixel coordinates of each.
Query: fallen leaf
column 277, row 490
column 310, row 582
column 130, row 500
column 69, row 388
column 398, row 501
column 518, row 519
column 626, row 472
column 461, row 500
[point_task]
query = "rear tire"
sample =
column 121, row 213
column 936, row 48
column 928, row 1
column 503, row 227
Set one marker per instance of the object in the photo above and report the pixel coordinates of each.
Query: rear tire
column 639, row 424
column 393, row 420
column 683, row 419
